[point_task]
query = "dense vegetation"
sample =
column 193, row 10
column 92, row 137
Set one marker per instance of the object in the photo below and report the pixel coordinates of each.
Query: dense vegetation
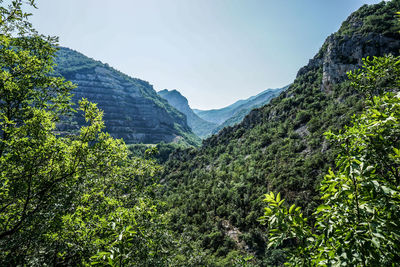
column 375, row 18
column 69, row 200
column 84, row 198
column 160, row 152
column 218, row 189
column 358, row 222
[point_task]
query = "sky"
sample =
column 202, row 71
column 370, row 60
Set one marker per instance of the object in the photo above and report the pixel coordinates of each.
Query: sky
column 214, row 52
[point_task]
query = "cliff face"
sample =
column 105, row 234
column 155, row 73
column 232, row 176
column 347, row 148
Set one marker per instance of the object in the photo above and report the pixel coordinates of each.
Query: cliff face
column 132, row 109
column 199, row 126
column 357, row 38
column 341, row 54
column 177, row 100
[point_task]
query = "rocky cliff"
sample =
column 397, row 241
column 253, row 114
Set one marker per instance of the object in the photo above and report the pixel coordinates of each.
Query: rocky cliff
column 357, row 38
column 132, row 109
column 200, row 127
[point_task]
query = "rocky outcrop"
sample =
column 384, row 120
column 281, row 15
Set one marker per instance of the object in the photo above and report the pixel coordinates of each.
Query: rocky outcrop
column 344, row 53
column 132, row 109
column 344, row 50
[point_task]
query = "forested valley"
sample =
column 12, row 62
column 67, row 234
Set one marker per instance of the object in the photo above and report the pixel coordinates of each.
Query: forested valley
column 309, row 179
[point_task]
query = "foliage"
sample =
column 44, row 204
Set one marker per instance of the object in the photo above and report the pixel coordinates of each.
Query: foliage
column 377, row 76
column 29, row 105
column 84, row 199
column 116, row 220
column 272, row 149
column 73, row 199
column 160, row 152
column 379, row 18
column 358, row 222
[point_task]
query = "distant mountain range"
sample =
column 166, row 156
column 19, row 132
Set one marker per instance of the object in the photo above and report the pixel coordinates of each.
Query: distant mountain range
column 219, row 116
column 132, row 108
column 241, row 108
column 206, row 122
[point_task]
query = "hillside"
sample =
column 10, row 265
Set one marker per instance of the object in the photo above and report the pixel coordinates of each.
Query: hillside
column 199, row 126
column 219, row 116
column 253, row 102
column 215, row 192
column 132, row 109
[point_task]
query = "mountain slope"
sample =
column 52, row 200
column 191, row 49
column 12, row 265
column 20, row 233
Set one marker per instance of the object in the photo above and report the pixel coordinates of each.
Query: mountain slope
column 199, row 126
column 215, row 192
column 219, row 116
column 253, row 102
column 132, row 109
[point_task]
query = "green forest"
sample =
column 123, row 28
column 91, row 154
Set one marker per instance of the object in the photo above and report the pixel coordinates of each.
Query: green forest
column 310, row 179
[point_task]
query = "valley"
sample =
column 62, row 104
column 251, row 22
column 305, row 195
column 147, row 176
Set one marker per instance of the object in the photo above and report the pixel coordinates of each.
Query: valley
column 98, row 168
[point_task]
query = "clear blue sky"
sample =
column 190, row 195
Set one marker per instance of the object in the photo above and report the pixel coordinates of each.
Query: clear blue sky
column 213, row 51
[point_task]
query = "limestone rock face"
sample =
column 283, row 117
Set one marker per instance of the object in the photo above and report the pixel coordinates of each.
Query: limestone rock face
column 345, row 53
column 132, row 109
column 344, row 50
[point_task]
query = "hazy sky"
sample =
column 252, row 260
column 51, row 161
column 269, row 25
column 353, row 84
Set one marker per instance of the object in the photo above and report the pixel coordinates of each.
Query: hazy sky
column 213, row 51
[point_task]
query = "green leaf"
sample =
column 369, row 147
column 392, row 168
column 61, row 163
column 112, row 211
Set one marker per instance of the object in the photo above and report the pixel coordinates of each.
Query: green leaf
column 267, row 211
column 376, row 242
column 323, row 207
column 291, row 208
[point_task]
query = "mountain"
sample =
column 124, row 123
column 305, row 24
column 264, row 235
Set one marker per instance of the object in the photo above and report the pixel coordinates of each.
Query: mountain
column 132, row 108
column 215, row 192
column 247, row 105
column 206, row 122
column 199, row 126
column 219, row 116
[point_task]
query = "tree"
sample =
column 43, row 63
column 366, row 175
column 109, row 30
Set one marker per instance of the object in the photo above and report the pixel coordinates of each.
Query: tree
column 358, row 222
column 65, row 199
column 31, row 157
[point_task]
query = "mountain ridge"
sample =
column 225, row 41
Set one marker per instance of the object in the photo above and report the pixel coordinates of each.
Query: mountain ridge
column 219, row 116
column 249, row 104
